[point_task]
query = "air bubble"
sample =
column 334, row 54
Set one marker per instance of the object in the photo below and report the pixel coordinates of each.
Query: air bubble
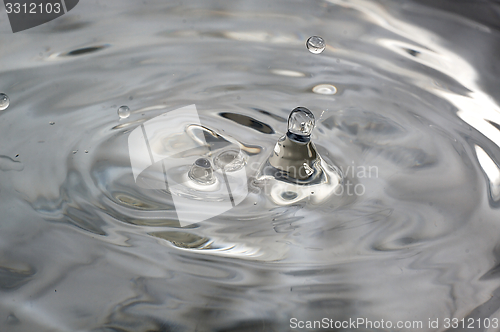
column 4, row 101
column 301, row 122
column 123, row 112
column 316, row 44
column 230, row 161
column 202, row 172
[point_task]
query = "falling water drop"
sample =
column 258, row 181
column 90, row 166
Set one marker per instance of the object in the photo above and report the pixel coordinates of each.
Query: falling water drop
column 202, row 172
column 4, row 101
column 316, row 44
column 123, row 112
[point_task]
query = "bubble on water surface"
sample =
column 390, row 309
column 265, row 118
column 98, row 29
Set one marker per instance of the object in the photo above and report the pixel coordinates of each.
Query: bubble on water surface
column 230, row 161
column 202, row 172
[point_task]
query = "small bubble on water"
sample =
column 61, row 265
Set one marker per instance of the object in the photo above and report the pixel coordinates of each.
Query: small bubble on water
column 202, row 172
column 123, row 112
column 52, row 123
column 4, row 101
column 75, row 151
column 316, row 44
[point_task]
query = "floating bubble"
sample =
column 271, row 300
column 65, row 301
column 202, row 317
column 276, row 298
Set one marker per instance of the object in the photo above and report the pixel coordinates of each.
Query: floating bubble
column 123, row 112
column 316, row 44
column 301, row 122
column 202, row 172
column 4, row 101
column 52, row 123
column 325, row 89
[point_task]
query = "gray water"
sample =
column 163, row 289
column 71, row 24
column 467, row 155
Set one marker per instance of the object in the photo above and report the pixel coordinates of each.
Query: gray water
column 415, row 96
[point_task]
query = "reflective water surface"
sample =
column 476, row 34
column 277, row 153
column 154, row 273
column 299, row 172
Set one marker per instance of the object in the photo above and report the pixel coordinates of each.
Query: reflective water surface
column 406, row 102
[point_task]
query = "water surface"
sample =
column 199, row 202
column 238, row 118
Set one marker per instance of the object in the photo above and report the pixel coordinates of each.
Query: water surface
column 407, row 89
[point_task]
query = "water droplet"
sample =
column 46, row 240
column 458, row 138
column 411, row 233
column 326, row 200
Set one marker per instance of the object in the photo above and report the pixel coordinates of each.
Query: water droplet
column 86, row 151
column 75, row 151
column 123, row 112
column 325, row 89
column 202, row 172
column 4, row 101
column 52, row 123
column 301, row 122
column 230, row 161
column 316, row 44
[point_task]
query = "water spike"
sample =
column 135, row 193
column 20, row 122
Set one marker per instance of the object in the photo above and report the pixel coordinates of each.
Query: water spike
column 294, row 155
column 295, row 171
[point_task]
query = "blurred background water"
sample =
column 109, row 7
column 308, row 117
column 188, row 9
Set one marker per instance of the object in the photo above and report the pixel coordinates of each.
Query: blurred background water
column 408, row 87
